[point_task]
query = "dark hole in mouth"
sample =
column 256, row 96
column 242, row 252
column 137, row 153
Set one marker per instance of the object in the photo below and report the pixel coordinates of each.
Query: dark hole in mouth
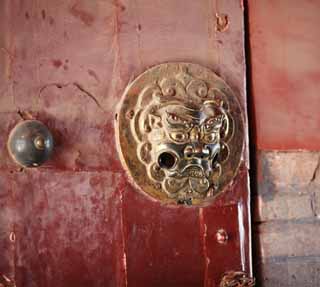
column 166, row 160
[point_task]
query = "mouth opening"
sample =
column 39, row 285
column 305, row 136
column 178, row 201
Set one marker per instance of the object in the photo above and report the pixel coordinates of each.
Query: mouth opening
column 166, row 160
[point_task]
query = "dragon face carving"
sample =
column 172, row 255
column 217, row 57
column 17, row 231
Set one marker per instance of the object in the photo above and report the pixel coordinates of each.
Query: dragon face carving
column 180, row 130
column 182, row 145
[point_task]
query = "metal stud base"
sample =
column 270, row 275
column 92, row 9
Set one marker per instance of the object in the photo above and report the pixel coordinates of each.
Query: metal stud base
column 30, row 143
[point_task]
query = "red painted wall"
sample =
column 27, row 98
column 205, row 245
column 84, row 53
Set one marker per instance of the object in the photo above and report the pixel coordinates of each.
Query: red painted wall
column 285, row 77
column 284, row 40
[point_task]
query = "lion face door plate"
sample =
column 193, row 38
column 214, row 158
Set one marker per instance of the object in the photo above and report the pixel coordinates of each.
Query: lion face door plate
column 180, row 133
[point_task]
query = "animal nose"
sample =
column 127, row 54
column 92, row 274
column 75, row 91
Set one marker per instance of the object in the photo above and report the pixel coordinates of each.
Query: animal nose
column 195, row 134
column 198, row 151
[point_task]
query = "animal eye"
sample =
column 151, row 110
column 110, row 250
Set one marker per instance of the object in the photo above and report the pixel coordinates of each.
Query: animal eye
column 209, row 123
column 174, row 119
column 213, row 122
column 210, row 138
column 179, row 136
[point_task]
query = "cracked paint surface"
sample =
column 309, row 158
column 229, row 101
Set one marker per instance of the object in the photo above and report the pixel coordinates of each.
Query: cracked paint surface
column 77, row 221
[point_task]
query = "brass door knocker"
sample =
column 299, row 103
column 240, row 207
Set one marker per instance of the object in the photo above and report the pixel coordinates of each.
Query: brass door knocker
column 180, row 133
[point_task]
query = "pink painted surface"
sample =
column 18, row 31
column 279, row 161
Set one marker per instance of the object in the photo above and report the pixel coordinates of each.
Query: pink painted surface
column 285, row 53
column 77, row 221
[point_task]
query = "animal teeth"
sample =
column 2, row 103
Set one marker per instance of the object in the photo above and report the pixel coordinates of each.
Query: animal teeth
column 195, row 173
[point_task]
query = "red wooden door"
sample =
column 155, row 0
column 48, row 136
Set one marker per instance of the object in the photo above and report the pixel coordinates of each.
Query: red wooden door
column 77, row 220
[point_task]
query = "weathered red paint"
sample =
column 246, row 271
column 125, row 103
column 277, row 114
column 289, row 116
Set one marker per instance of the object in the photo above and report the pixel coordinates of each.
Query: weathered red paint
column 68, row 231
column 162, row 243
column 7, row 225
column 284, row 40
column 77, row 220
column 159, row 237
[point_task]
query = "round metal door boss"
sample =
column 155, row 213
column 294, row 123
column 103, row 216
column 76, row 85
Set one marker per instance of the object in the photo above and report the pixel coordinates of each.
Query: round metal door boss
column 30, row 143
column 180, row 133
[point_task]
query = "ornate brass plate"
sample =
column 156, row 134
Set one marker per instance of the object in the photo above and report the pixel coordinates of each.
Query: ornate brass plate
column 180, row 133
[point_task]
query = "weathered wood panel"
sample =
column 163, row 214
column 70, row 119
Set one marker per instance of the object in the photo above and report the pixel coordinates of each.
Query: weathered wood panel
column 7, row 219
column 67, row 63
column 58, row 243
column 153, row 246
